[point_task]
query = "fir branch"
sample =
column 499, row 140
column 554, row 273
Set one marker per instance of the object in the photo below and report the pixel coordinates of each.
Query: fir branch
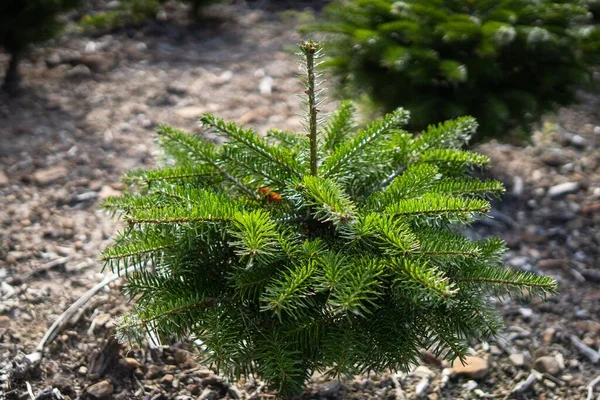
column 256, row 237
column 128, row 202
column 207, row 207
column 359, row 289
column 415, row 181
column 439, row 205
column 183, row 147
column 506, row 279
column 289, row 293
column 339, row 126
column 197, row 150
column 272, row 175
column 249, row 139
column 288, row 139
column 457, row 158
column 453, row 134
column 442, row 242
column 342, row 156
column 177, row 173
column 469, row 187
column 414, row 276
column 396, row 236
column 328, row 201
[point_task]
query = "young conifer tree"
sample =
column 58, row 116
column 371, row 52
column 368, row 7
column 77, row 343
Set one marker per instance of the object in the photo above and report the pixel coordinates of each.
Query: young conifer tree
column 335, row 250
column 506, row 62
column 23, row 23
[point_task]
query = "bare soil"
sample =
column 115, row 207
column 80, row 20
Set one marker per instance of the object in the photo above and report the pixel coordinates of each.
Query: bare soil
column 74, row 130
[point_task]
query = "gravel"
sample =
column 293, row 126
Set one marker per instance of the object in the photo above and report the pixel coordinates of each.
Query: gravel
column 84, row 122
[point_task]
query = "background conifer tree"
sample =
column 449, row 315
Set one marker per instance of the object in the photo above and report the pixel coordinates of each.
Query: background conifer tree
column 336, row 250
column 23, row 22
column 506, row 62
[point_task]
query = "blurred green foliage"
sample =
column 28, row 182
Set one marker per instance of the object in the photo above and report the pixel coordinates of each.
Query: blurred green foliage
column 506, row 62
column 134, row 12
column 127, row 13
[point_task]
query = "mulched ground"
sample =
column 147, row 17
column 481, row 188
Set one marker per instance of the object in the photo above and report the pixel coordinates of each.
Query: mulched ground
column 78, row 126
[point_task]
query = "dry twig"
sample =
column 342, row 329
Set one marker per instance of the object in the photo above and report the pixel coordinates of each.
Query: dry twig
column 584, row 349
column 590, row 388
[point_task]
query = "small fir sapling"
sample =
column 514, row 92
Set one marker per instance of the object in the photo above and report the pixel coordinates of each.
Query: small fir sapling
column 335, row 250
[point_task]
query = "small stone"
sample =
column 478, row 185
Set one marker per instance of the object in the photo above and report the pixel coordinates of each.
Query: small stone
column 234, row 392
column 422, row 372
column 266, row 86
column 14, row 256
column 178, row 89
column 422, row 387
column 430, row 359
column 100, row 390
column 210, row 380
column 4, row 321
column 82, row 370
column 560, row 359
column 153, row 371
column 470, row 386
column 548, row 335
column 597, row 130
column 578, row 141
column 95, row 62
column 582, row 314
column 592, row 327
column 563, row 189
column 446, row 374
column 79, row 71
column 331, row 389
column 519, row 262
column 193, row 389
column 53, row 60
column 554, row 158
column 518, row 186
column 190, row 112
column 107, row 192
column 3, row 179
column 552, row 263
column 167, row 379
column 162, row 16
column 547, row 364
column 101, row 320
column 549, row 384
column 225, row 76
column 6, row 290
column 129, row 363
column 474, row 368
column 525, row 312
column 517, row 359
column 49, row 175
column 86, row 196
column 181, row 356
